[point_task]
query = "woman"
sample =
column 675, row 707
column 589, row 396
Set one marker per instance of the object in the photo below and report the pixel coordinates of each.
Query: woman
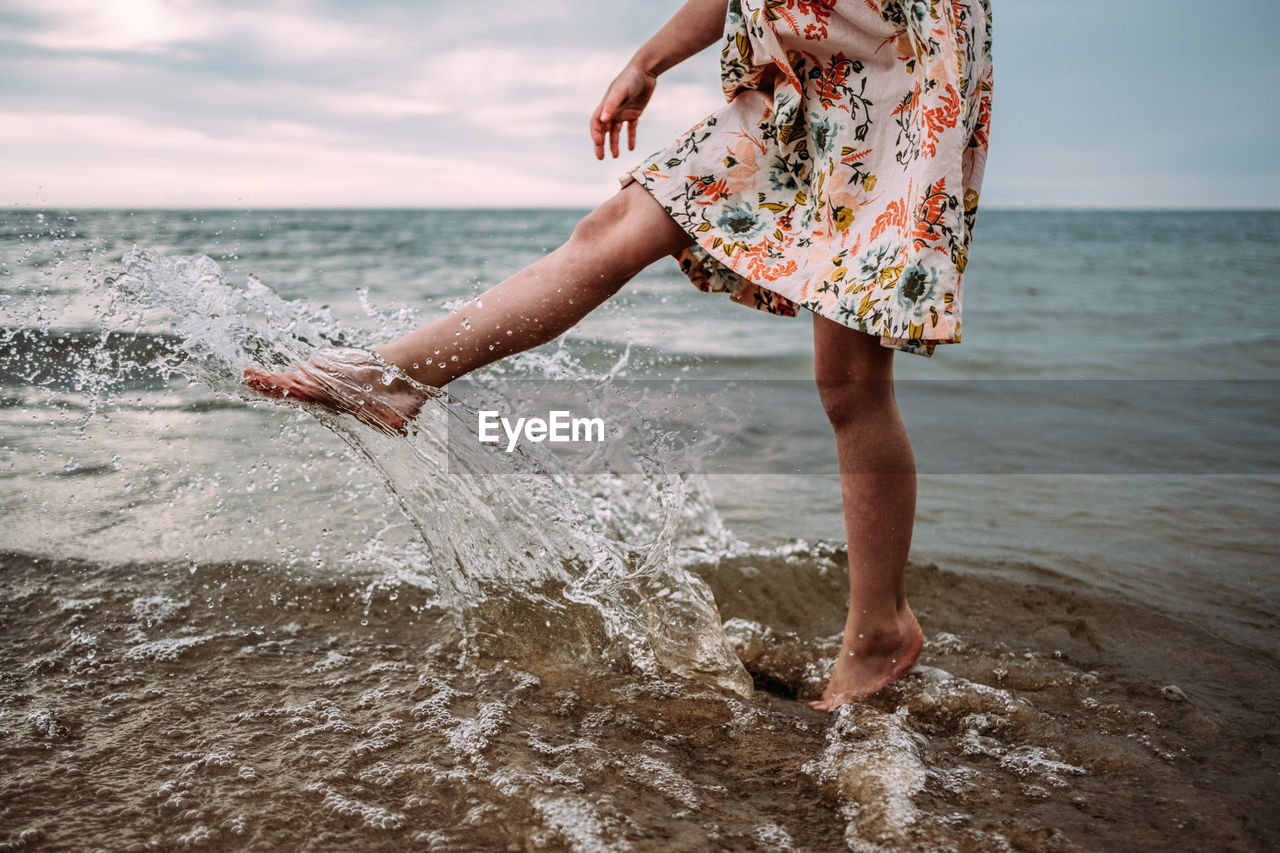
column 842, row 176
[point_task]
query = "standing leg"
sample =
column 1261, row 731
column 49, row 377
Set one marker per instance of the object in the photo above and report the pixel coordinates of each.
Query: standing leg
column 878, row 487
column 537, row 304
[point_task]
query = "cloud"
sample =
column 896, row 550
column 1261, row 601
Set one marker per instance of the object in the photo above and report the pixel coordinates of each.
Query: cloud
column 137, row 26
column 307, row 102
column 143, row 113
column 174, row 26
column 382, row 105
column 197, row 102
column 143, row 164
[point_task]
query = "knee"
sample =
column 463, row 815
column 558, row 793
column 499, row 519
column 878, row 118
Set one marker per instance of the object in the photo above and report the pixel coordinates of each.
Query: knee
column 599, row 225
column 850, row 403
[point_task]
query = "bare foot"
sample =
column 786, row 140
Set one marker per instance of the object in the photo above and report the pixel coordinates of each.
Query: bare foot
column 871, row 658
column 347, row 381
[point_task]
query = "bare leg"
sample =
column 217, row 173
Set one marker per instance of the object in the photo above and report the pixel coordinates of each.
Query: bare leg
column 537, row 304
column 878, row 486
column 540, row 302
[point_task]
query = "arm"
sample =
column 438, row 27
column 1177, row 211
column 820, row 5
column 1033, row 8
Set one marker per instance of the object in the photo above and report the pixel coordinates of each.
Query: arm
column 697, row 24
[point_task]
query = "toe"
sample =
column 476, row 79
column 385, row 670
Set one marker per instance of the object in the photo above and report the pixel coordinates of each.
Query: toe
column 262, row 382
column 275, row 385
column 336, row 391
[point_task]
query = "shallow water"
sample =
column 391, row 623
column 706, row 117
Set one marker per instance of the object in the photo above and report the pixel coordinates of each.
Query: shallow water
column 227, row 627
column 233, row 705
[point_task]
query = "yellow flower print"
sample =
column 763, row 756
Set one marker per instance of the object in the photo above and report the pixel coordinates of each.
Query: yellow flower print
column 889, row 275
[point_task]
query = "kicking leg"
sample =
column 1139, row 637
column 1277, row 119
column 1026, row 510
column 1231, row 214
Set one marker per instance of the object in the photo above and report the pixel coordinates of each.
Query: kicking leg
column 878, row 487
column 613, row 243
column 536, row 305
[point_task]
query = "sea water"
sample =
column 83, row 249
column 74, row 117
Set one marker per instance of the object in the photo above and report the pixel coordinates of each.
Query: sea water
column 231, row 624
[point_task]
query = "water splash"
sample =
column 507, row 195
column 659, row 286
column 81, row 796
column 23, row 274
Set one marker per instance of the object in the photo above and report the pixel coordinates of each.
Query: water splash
column 529, row 557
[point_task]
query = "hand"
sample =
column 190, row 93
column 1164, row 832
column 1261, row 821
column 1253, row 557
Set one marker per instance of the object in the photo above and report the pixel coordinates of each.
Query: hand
column 623, row 102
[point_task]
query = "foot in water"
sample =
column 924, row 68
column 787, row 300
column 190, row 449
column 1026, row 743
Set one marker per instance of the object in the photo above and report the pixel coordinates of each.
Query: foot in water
column 870, row 659
column 347, row 381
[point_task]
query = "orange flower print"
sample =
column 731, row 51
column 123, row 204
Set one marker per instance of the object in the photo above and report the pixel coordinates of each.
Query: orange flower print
column 741, row 162
column 803, row 17
column 765, row 264
column 894, row 216
column 709, row 191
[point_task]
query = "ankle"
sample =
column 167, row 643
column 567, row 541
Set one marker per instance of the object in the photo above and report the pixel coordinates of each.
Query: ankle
column 880, row 632
column 396, row 374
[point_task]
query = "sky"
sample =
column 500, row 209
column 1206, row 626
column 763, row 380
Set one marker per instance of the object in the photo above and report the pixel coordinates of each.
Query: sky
column 335, row 103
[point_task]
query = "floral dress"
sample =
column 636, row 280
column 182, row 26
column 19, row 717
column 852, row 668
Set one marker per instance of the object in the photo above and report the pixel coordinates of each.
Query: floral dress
column 843, row 174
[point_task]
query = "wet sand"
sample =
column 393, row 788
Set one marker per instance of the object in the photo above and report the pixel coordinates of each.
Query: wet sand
column 245, row 707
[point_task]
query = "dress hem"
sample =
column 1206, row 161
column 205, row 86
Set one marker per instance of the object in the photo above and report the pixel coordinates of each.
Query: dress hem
column 779, row 304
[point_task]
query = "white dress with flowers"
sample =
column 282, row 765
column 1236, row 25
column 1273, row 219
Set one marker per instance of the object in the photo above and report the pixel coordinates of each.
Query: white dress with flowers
column 843, row 174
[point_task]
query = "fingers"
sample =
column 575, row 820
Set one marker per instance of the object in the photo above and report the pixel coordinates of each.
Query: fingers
column 597, row 132
column 613, row 130
column 602, row 122
column 622, row 105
